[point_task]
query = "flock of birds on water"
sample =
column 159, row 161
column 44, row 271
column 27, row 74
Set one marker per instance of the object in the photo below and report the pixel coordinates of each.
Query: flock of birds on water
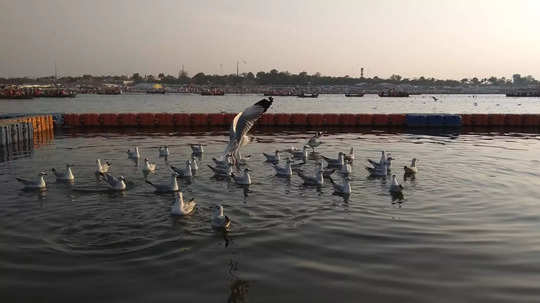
column 228, row 166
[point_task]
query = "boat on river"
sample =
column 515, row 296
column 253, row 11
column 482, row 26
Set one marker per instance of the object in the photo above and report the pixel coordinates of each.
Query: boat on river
column 354, row 94
column 312, row 95
column 393, row 93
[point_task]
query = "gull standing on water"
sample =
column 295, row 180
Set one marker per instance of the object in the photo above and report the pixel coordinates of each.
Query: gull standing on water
column 241, row 125
column 181, row 208
column 64, row 175
column 37, row 184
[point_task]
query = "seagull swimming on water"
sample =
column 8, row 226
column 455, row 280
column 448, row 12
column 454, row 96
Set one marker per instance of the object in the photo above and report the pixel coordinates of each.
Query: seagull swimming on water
column 272, row 158
column 172, row 186
column 411, row 170
column 38, row 184
column 64, row 175
column 395, row 187
column 285, row 171
column 317, row 180
column 134, row 154
column 220, row 221
column 181, row 208
column 244, row 179
column 114, row 182
column 148, row 166
column 341, row 189
column 187, row 172
column 241, row 125
column 314, row 141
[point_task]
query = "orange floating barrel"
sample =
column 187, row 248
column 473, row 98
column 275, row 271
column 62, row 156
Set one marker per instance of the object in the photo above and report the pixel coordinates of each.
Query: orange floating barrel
column 182, row 120
column 315, row 120
column 380, row 119
column 531, row 120
column 146, row 120
column 364, row 119
column 108, row 119
column 127, row 120
column 496, row 119
column 267, row 120
column 397, row 119
column 513, row 120
column 164, row 120
column 299, row 119
column 282, row 119
column 216, row 119
column 91, row 120
column 199, row 119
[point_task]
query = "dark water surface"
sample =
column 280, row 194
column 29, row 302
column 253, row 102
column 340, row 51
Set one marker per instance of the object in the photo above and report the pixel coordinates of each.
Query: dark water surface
column 468, row 230
column 190, row 103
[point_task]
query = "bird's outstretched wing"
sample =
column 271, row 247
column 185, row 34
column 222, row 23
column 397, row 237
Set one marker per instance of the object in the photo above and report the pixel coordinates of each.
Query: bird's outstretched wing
column 242, row 124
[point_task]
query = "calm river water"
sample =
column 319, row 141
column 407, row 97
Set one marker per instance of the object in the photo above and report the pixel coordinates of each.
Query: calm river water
column 177, row 103
column 467, row 231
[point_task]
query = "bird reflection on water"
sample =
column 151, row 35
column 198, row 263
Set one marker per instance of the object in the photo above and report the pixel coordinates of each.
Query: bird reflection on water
column 239, row 288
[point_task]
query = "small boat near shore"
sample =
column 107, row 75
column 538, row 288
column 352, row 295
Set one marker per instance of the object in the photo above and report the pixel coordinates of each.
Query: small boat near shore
column 354, row 95
column 393, row 93
column 312, row 95
column 213, row 92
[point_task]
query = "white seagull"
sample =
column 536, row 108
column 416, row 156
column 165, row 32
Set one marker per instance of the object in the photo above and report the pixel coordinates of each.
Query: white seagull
column 342, row 189
column 395, row 187
column 385, row 158
column 187, row 172
column 181, row 208
column 194, row 166
column 220, row 221
column 272, row 158
column 134, row 154
column 38, row 184
column 335, row 162
column 114, row 182
column 285, row 171
column 223, row 163
column 102, row 168
column 244, row 179
column 241, row 125
column 64, row 175
column 148, row 166
column 172, row 186
column 379, row 171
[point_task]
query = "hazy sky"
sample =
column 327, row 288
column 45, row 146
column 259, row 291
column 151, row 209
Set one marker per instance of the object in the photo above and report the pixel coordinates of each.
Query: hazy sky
column 438, row 38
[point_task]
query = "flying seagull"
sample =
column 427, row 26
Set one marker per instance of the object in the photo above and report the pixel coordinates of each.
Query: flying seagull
column 241, row 125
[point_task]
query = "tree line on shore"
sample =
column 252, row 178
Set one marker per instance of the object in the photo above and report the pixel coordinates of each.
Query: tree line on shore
column 275, row 77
